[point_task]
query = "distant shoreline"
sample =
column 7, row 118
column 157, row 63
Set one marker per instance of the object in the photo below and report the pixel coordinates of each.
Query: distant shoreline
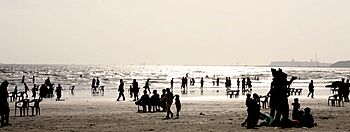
column 182, row 65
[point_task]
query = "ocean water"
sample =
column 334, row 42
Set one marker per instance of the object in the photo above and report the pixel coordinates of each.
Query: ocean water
column 160, row 75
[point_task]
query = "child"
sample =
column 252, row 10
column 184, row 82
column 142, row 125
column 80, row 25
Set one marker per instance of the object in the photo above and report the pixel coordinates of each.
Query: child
column 178, row 105
column 295, row 111
column 246, row 104
column 308, row 119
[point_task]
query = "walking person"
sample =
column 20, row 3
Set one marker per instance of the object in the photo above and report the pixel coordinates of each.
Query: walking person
column 121, row 90
column 147, row 86
column 311, row 89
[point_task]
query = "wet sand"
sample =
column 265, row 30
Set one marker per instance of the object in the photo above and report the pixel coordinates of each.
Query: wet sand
column 105, row 114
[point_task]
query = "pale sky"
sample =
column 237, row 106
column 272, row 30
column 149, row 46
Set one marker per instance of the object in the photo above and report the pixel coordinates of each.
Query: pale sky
column 181, row 32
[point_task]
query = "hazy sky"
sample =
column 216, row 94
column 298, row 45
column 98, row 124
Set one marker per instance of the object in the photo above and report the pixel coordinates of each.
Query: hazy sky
column 209, row 32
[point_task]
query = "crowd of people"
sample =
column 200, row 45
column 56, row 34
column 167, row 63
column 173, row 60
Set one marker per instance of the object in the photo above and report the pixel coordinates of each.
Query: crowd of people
column 154, row 102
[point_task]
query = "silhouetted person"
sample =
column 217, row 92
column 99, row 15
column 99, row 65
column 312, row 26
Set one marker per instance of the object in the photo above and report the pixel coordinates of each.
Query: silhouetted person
column 253, row 112
column 229, row 83
column 217, row 81
column 247, row 101
column 43, row 91
column 33, row 79
column 4, row 105
column 238, row 83
column 308, row 119
column 147, row 86
column 48, row 82
column 186, row 81
column 182, row 83
column 243, row 84
column 178, row 105
column 26, row 89
column 58, row 92
column 72, row 90
column 172, row 83
column 295, row 112
column 121, row 90
column 93, row 86
column 135, row 86
column 279, row 94
column 23, row 79
column 144, row 101
column 169, row 101
column 249, row 83
column 311, row 89
column 51, row 90
column 163, row 102
column 202, row 82
column 34, row 89
column 97, row 82
column 346, row 91
column 131, row 91
column 155, row 101
column 191, row 82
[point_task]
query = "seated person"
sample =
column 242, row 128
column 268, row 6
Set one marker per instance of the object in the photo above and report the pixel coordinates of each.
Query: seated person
column 144, row 101
column 308, row 120
column 155, row 101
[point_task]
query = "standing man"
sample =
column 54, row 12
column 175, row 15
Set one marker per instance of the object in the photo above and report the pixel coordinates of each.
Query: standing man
column 217, row 81
column 33, row 79
column 59, row 92
column 202, row 82
column 121, row 90
column 23, row 78
column 172, row 83
column 135, row 86
column 4, row 105
column 311, row 89
column 97, row 82
column 93, row 84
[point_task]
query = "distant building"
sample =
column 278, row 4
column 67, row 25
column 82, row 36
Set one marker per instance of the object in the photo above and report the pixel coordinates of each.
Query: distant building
column 294, row 63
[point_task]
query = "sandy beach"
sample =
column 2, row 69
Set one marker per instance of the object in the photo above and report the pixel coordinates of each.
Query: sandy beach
column 218, row 115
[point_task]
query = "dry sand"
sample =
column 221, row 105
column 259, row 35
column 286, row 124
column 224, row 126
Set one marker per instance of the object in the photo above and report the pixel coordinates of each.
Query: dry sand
column 224, row 115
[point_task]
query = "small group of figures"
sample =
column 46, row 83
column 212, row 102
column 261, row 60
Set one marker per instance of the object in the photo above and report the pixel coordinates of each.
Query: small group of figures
column 46, row 90
column 300, row 118
column 279, row 93
column 155, row 102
